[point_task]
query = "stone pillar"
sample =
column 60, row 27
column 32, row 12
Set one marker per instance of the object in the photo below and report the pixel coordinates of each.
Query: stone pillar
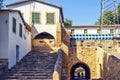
column 58, row 35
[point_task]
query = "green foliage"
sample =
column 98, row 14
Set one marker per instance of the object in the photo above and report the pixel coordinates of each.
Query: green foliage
column 68, row 22
column 118, row 10
column 110, row 17
column 1, row 4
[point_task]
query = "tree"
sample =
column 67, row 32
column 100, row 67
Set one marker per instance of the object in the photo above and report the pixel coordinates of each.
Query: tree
column 1, row 4
column 68, row 22
column 118, row 13
column 110, row 17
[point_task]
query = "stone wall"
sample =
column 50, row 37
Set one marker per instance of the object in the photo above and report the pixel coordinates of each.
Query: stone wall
column 65, row 45
column 95, row 54
column 3, row 66
column 58, row 35
column 58, row 66
column 108, row 45
column 111, row 69
column 86, row 55
column 65, row 37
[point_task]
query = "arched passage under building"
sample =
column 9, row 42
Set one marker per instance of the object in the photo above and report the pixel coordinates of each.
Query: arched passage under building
column 80, row 71
column 43, row 39
column 44, row 35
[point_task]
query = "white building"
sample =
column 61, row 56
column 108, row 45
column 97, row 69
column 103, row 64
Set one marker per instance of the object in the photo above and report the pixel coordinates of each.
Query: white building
column 15, row 36
column 94, row 32
column 46, row 20
column 15, row 32
column 44, row 16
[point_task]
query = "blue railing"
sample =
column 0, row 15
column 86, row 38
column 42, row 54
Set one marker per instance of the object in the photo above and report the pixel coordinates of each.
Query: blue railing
column 93, row 36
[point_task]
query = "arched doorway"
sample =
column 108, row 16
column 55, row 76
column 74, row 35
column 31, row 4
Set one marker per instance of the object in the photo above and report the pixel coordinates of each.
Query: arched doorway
column 44, row 35
column 80, row 71
column 44, row 39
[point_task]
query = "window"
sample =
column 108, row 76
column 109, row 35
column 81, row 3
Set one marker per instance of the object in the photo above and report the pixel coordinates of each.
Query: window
column 111, row 31
column 14, row 25
column 17, row 53
column 50, row 18
column 85, row 31
column 22, row 14
column 72, row 31
column 20, row 30
column 98, row 31
column 35, row 18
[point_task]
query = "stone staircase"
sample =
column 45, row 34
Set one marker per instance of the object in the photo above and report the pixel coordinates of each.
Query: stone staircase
column 36, row 65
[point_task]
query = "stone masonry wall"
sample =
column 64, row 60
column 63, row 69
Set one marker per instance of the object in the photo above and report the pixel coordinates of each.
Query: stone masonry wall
column 95, row 54
column 87, row 55
column 65, row 48
column 111, row 70
column 3, row 65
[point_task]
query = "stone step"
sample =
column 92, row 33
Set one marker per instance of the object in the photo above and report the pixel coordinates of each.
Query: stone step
column 42, row 71
column 35, row 65
column 28, row 77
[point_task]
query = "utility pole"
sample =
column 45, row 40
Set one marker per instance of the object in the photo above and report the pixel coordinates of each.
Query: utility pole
column 101, row 14
column 109, row 5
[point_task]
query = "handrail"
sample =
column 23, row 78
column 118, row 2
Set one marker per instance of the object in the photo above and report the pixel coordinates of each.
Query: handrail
column 58, row 66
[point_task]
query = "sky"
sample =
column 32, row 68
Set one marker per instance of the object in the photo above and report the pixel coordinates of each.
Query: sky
column 81, row 12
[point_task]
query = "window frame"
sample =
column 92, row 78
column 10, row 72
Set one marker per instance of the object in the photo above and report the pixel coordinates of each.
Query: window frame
column 22, row 14
column 38, row 18
column 14, row 24
column 20, row 30
column 98, row 31
column 112, row 31
column 85, row 31
column 47, row 22
column 72, row 31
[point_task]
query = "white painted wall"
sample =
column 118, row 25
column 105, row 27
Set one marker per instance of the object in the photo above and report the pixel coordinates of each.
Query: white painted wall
column 91, row 30
column 29, row 7
column 4, row 35
column 9, row 40
column 15, row 39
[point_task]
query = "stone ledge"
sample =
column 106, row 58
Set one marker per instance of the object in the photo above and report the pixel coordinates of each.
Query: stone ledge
column 3, row 65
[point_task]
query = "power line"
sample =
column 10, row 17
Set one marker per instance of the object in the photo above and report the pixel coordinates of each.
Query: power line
column 109, row 5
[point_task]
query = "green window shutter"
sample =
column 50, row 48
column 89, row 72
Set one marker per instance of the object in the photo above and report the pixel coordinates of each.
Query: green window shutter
column 14, row 25
column 50, row 18
column 20, row 30
column 85, row 31
column 98, row 31
column 111, row 31
column 72, row 31
column 35, row 18
column 22, row 14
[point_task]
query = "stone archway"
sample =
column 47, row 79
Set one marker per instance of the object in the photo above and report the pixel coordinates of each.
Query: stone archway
column 44, row 35
column 80, row 71
column 43, row 39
